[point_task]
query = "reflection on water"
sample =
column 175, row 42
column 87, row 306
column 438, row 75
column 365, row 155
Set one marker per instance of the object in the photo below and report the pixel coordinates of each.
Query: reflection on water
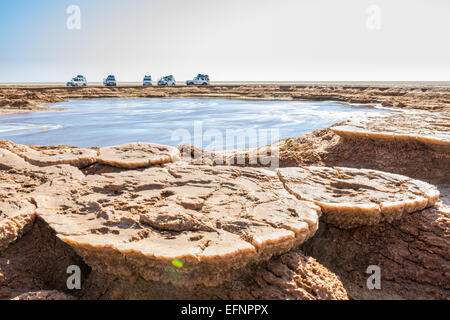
column 211, row 123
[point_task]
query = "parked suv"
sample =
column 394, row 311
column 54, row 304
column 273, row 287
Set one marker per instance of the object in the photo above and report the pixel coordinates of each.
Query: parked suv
column 147, row 81
column 78, row 81
column 110, row 81
column 166, row 81
column 200, row 79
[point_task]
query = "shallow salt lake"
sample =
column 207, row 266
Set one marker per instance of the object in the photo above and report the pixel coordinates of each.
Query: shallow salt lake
column 214, row 124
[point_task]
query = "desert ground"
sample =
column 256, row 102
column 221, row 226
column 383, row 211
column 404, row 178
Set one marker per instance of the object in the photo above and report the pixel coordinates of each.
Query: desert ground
column 423, row 96
column 145, row 221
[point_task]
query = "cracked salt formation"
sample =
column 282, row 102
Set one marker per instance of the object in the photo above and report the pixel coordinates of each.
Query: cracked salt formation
column 17, row 180
column 429, row 128
column 129, row 156
column 16, row 214
column 223, row 224
column 9, row 160
column 265, row 156
column 48, row 156
column 215, row 220
column 137, row 155
column 11, row 146
column 356, row 197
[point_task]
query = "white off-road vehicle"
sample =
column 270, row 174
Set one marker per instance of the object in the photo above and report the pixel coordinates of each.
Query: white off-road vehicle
column 166, row 81
column 147, row 81
column 78, row 81
column 199, row 80
column 110, row 81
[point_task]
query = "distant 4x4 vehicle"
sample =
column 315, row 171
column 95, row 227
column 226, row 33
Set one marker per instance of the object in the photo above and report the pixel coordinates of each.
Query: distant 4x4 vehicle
column 166, row 81
column 110, row 81
column 78, row 81
column 147, row 81
column 200, row 79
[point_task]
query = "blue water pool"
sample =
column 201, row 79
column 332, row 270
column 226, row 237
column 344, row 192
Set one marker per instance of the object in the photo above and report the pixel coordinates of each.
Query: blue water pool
column 213, row 124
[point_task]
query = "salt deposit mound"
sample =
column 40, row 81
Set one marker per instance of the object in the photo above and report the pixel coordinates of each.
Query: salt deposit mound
column 214, row 219
column 356, row 197
column 49, row 156
column 17, row 209
column 137, row 155
column 432, row 129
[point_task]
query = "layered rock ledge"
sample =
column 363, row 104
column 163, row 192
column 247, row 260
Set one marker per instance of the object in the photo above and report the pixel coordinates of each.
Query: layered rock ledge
column 137, row 155
column 432, row 129
column 48, row 156
column 158, row 226
column 214, row 219
column 130, row 156
column 356, row 197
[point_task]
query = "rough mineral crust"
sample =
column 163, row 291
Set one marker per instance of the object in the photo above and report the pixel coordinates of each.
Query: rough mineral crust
column 356, row 197
column 215, row 220
column 412, row 253
column 49, row 156
column 44, row 295
column 16, row 213
column 16, row 216
column 291, row 276
column 137, row 155
column 18, row 179
column 35, row 268
column 429, row 128
column 128, row 156
column 36, row 263
column 267, row 156
column 9, row 160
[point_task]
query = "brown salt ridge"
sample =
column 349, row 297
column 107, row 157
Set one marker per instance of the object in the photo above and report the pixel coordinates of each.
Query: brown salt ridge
column 426, row 127
column 17, row 180
column 130, row 156
column 356, row 197
column 52, row 155
column 16, row 214
column 215, row 219
column 77, row 157
column 137, row 155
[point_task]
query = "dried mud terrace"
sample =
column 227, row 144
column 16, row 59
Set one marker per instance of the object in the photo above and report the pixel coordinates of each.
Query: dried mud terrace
column 26, row 99
column 131, row 214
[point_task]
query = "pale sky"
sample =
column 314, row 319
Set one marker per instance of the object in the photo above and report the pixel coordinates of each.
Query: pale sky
column 241, row 40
